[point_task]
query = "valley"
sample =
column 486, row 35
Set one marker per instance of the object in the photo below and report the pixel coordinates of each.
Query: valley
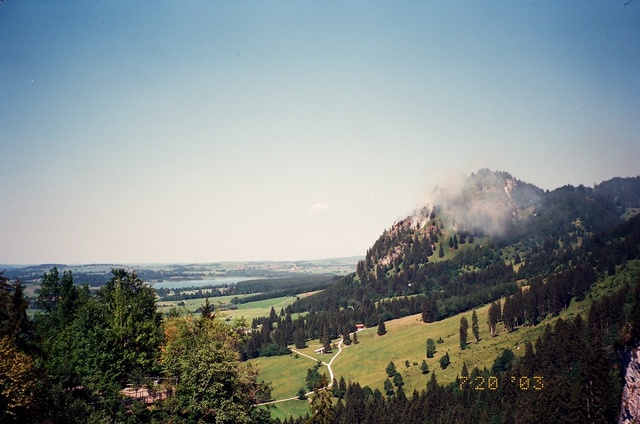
column 497, row 311
column 406, row 341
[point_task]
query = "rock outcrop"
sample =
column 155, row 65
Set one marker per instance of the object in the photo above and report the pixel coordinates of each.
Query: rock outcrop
column 630, row 405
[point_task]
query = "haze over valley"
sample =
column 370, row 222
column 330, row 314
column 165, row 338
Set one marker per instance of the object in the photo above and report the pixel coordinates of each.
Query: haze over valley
column 299, row 213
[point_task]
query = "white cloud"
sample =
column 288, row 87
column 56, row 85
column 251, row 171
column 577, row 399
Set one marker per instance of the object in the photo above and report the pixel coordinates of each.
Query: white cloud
column 318, row 207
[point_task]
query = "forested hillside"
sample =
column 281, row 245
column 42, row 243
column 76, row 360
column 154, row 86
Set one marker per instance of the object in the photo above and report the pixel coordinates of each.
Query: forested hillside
column 511, row 235
column 538, row 251
column 492, row 240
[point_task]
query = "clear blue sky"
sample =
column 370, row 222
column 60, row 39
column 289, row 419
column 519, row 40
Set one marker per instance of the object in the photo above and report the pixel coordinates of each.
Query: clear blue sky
column 194, row 131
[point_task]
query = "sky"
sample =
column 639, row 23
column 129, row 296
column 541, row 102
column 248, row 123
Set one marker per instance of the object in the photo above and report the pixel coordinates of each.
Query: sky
column 195, row 131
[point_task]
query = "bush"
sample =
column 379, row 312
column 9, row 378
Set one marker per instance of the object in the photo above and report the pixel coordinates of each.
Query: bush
column 445, row 361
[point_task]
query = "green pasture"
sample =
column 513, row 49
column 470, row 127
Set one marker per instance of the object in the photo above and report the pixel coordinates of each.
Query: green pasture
column 261, row 308
column 405, row 340
column 249, row 311
column 287, row 373
column 284, row 410
column 193, row 304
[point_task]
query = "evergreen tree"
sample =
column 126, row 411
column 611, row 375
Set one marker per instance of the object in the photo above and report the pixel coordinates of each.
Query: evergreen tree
column 433, row 382
column 134, row 323
column 429, row 309
column 397, row 380
column 517, row 259
column 503, row 362
column 424, row 367
column 326, row 342
column 493, row 317
column 299, row 339
column 475, row 328
column 321, row 405
column 314, row 379
column 431, row 348
column 207, row 309
column 346, row 338
column 508, row 314
column 20, row 393
column 445, row 361
column 391, row 369
column 388, row 387
column 342, row 385
column 335, row 389
column 464, row 328
column 382, row 329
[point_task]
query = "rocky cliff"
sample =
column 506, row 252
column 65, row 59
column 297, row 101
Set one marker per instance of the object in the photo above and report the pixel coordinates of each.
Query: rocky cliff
column 630, row 405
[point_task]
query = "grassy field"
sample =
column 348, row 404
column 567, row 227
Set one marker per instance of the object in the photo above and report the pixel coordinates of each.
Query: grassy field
column 249, row 311
column 286, row 409
column 289, row 369
column 406, row 341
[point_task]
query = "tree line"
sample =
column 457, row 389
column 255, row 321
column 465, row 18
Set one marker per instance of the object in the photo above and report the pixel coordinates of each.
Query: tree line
column 571, row 373
column 71, row 363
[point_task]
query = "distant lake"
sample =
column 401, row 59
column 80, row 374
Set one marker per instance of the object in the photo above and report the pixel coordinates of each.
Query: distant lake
column 181, row 284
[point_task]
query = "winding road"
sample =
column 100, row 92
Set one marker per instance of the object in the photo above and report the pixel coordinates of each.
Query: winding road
column 328, row 365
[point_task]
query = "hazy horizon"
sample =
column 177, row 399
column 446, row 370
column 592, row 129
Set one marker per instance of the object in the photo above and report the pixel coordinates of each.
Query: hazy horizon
column 173, row 132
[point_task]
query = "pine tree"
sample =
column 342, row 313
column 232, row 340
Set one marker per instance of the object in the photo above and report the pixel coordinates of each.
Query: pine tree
column 299, row 339
column 429, row 309
column 464, row 328
column 342, row 385
column 398, row 381
column 346, row 338
column 391, row 369
column 207, row 310
column 326, row 344
column 382, row 329
column 424, row 367
column 493, row 317
column 321, row 405
column 431, row 348
column 475, row 328
column 433, row 382
column 388, row 387
column 445, row 361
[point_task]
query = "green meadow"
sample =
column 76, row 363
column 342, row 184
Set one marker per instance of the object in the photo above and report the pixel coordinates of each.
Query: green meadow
column 286, row 409
column 249, row 311
column 405, row 340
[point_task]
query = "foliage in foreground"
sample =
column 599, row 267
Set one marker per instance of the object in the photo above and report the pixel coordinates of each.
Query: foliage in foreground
column 213, row 386
column 72, row 363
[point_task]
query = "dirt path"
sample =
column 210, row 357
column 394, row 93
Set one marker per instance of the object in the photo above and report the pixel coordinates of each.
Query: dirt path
column 328, row 365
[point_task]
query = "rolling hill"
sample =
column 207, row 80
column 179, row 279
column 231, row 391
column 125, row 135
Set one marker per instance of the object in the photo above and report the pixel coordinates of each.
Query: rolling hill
column 546, row 254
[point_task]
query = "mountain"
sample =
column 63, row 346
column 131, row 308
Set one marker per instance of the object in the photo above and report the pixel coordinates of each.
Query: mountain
column 478, row 238
column 490, row 239
column 507, row 211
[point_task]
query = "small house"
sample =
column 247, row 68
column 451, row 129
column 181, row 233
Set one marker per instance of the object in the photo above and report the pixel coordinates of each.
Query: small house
column 360, row 327
column 320, row 350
